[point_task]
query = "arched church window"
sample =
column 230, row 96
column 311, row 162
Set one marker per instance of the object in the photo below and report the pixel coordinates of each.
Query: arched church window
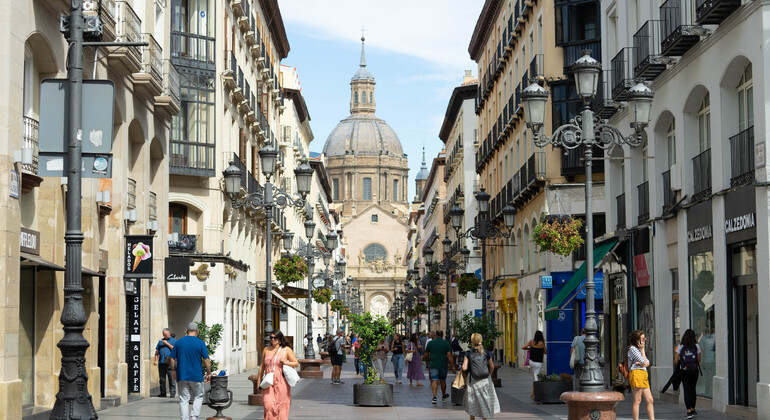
column 355, row 99
column 371, row 97
column 363, row 97
column 374, row 252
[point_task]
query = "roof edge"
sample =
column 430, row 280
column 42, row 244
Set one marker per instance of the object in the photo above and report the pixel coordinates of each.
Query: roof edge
column 275, row 23
column 460, row 94
column 481, row 31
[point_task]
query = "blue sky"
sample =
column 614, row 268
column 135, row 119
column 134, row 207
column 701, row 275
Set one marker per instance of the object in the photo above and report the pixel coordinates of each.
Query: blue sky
column 416, row 50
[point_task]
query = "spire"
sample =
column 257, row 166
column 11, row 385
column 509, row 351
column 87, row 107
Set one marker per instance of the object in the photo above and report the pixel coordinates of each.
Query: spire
column 424, row 164
column 422, row 175
column 363, row 58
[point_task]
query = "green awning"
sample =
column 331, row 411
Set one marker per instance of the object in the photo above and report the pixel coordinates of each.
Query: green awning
column 552, row 310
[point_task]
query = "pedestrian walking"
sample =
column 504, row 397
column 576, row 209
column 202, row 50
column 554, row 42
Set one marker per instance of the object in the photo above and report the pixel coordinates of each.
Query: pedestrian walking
column 277, row 397
column 457, row 349
column 379, row 358
column 578, row 348
column 162, row 353
column 480, row 399
column 337, row 350
column 439, row 355
column 187, row 370
column 397, row 348
column 537, row 350
column 414, row 366
column 356, row 343
column 319, row 340
column 687, row 356
column 637, row 374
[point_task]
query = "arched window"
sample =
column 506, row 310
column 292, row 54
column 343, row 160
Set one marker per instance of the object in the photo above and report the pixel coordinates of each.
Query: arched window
column 746, row 100
column 704, row 124
column 374, row 252
column 371, row 97
column 671, row 143
column 355, row 99
column 177, row 219
column 363, row 97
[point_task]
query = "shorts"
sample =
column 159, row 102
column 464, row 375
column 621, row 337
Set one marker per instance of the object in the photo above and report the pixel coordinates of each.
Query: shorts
column 637, row 378
column 438, row 374
column 337, row 359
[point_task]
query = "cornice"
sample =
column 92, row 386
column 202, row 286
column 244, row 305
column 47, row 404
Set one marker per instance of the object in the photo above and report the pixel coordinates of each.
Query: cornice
column 483, row 26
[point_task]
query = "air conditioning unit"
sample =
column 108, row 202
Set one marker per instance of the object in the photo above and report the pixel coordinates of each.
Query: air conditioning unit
column 676, row 177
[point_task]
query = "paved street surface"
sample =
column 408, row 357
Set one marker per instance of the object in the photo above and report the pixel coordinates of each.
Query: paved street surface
column 318, row 399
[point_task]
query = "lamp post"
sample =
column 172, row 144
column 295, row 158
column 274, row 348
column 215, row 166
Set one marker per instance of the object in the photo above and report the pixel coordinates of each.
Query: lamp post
column 483, row 229
column 588, row 130
column 266, row 198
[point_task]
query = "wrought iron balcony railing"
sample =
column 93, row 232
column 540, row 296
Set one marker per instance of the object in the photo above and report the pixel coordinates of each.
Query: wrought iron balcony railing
column 643, row 200
column 701, row 173
column 30, row 140
column 621, row 211
column 742, row 158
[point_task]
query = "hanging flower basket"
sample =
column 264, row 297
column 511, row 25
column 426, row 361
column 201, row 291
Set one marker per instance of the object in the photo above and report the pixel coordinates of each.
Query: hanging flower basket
column 420, row 309
column 336, row 305
column 468, row 283
column 411, row 313
column 345, row 311
column 558, row 234
column 322, row 295
column 436, row 300
column 290, row 269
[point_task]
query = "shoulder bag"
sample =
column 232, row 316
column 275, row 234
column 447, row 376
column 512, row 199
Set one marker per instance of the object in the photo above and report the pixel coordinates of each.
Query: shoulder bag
column 572, row 358
column 459, row 382
column 408, row 356
column 291, row 375
column 267, row 380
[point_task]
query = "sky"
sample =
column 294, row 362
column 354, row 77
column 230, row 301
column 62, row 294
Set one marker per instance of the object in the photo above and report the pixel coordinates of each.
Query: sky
column 417, row 52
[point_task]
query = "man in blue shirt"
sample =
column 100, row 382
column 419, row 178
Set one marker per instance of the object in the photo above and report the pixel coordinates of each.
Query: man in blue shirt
column 162, row 353
column 187, row 370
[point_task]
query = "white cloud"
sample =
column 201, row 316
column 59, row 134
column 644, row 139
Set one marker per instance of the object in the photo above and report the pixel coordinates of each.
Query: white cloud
column 437, row 31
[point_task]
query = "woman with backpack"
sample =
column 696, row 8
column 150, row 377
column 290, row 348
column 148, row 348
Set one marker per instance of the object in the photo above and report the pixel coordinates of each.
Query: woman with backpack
column 637, row 374
column 480, row 397
column 687, row 355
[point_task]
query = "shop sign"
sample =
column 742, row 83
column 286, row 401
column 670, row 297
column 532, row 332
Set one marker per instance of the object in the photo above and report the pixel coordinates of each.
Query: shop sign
column 138, row 256
column 641, row 273
column 134, row 335
column 699, row 234
column 546, row 282
column 29, row 241
column 177, row 269
column 14, row 187
column 738, row 223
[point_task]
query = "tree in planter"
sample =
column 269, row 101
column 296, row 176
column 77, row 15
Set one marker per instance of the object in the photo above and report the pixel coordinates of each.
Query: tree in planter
column 470, row 324
column 212, row 336
column 370, row 330
column 290, row 269
column 322, row 295
column 468, row 283
column 560, row 235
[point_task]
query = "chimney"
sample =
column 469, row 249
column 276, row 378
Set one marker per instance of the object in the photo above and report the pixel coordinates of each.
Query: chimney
column 468, row 76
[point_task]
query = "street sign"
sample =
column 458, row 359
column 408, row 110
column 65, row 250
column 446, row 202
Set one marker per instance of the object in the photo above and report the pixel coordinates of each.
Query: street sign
column 477, row 313
column 546, row 282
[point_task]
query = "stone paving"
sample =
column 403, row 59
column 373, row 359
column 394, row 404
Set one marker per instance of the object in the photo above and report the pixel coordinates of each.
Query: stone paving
column 318, row 399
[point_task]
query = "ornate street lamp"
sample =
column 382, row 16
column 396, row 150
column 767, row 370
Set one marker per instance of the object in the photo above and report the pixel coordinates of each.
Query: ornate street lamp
column 588, row 130
column 266, row 198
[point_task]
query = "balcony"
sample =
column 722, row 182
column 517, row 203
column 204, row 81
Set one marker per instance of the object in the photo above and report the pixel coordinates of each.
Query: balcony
column 648, row 62
column 454, row 158
column 669, row 197
column 237, row 7
column 701, row 173
column 676, row 27
column 168, row 103
column 622, row 73
column 109, row 12
column 126, row 60
column 531, row 178
column 742, row 158
column 30, row 140
column 575, row 51
column 713, row 12
column 231, row 70
column 192, row 158
column 621, row 214
column 572, row 162
column 149, row 81
column 191, row 50
column 183, row 243
column 152, row 206
column 643, row 200
column 602, row 104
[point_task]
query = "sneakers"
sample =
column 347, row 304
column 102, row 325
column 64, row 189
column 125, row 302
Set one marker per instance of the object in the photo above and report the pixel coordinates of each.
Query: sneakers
column 444, row 398
column 689, row 416
column 434, row 400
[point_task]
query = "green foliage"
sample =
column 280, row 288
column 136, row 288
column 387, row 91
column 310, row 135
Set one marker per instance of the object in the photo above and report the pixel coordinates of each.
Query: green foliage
column 370, row 330
column 561, row 377
column 468, row 283
column 560, row 235
column 470, row 324
column 322, row 295
column 345, row 311
column 290, row 269
column 420, row 309
column 336, row 305
column 396, row 322
column 411, row 313
column 212, row 336
column 436, row 300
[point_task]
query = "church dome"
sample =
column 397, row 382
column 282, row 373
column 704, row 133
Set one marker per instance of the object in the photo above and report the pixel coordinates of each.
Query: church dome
column 363, row 134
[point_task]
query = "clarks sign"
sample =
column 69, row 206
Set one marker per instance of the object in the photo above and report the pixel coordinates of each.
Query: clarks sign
column 177, row 269
column 699, row 234
column 739, row 223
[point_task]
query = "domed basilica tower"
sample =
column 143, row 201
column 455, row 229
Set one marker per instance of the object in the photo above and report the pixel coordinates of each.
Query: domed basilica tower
column 368, row 172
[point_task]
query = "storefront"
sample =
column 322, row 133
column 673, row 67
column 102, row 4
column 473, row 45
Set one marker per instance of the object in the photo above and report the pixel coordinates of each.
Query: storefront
column 742, row 297
column 700, row 255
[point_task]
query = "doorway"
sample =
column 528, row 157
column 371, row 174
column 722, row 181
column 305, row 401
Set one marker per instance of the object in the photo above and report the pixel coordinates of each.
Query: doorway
column 745, row 323
column 27, row 335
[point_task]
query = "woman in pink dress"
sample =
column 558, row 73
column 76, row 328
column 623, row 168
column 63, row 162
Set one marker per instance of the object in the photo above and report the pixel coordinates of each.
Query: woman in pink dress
column 277, row 398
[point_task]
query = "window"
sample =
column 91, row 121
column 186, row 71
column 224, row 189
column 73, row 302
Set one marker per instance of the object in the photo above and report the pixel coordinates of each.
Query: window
column 395, row 190
column 363, row 97
column 177, row 219
column 375, row 218
column 577, row 23
column 335, row 189
column 371, row 97
column 671, row 143
column 702, row 314
column 746, row 100
column 566, row 103
column 374, row 252
column 355, row 99
column 367, row 189
column 704, row 125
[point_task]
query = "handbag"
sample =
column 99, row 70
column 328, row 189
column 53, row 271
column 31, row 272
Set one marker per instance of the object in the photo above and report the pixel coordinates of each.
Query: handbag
column 291, row 375
column 459, row 382
column 408, row 357
column 572, row 359
column 526, row 359
column 267, row 380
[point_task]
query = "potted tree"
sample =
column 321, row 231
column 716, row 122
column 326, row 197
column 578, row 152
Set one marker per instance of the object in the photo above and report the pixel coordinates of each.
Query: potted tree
column 548, row 388
column 371, row 330
column 212, row 336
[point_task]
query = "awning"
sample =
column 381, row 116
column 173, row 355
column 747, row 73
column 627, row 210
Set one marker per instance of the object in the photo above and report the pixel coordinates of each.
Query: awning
column 601, row 251
column 35, row 260
column 286, row 302
column 291, row 292
column 90, row 273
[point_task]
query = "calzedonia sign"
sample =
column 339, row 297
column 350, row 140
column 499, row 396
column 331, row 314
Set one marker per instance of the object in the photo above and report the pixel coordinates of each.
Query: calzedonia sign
column 700, row 233
column 738, row 223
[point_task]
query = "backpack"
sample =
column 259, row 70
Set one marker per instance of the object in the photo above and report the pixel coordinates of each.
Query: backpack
column 688, row 358
column 623, row 368
column 479, row 365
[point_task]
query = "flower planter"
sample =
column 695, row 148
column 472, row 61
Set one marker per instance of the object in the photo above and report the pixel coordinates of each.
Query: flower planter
column 377, row 395
column 550, row 392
